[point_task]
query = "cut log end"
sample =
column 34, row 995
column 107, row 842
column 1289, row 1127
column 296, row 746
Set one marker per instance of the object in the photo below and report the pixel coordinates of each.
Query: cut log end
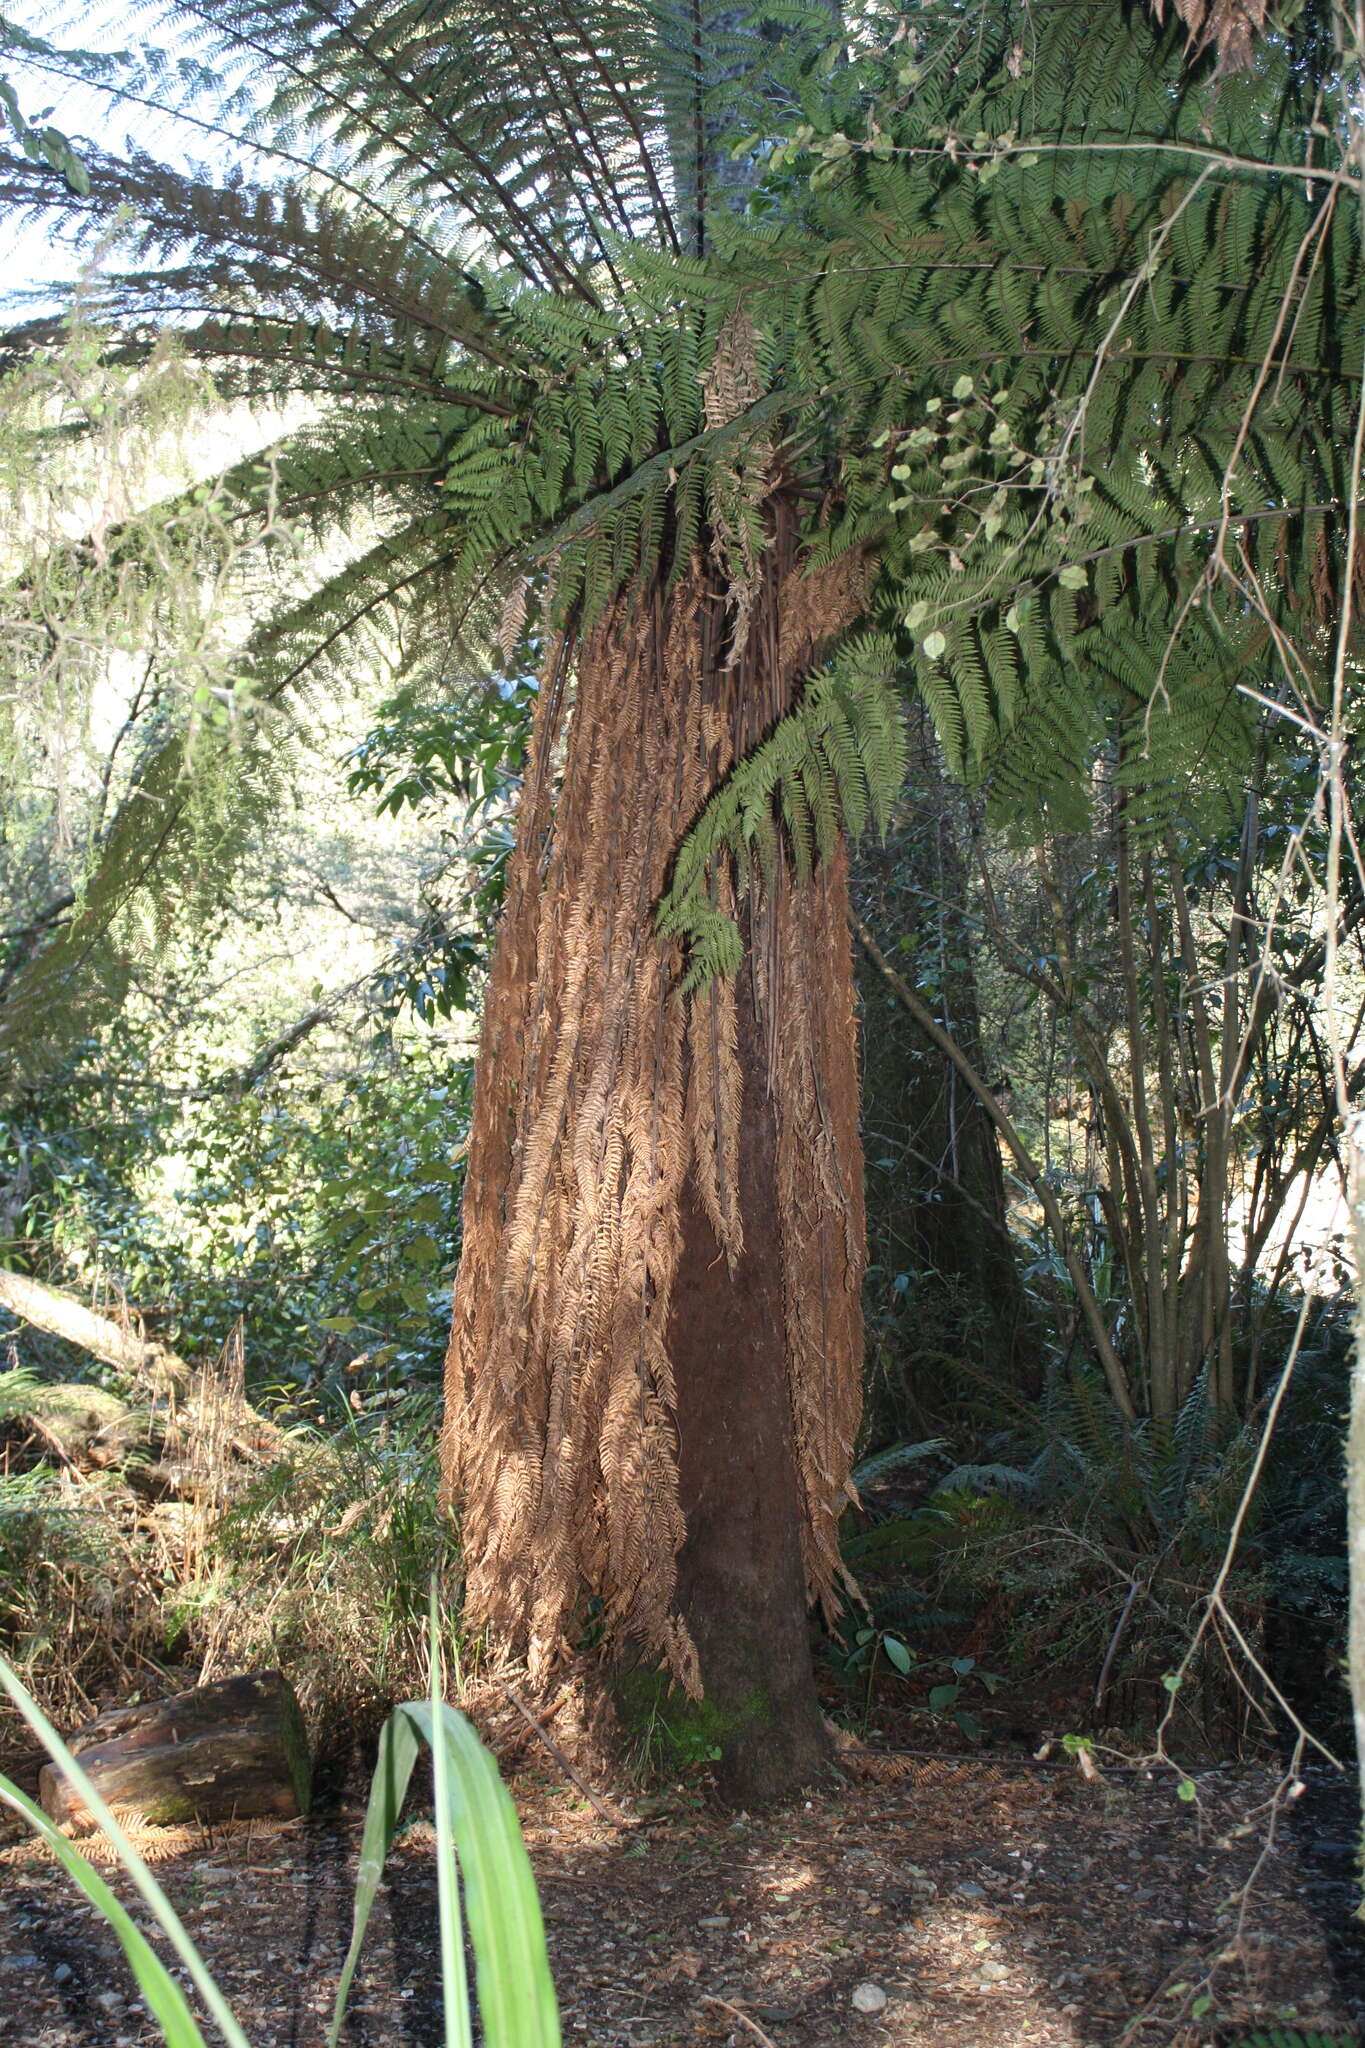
column 233, row 1750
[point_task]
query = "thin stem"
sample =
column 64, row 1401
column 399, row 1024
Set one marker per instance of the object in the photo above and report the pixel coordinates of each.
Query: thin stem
column 1090, row 1308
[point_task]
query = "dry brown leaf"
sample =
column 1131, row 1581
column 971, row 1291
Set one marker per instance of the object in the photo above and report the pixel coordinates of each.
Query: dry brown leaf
column 685, row 1968
column 1230, row 26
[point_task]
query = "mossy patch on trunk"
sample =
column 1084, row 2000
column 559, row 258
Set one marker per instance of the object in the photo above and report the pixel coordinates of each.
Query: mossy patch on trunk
column 679, row 1737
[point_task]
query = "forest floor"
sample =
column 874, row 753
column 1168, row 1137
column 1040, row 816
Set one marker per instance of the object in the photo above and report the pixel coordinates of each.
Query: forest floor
column 991, row 1906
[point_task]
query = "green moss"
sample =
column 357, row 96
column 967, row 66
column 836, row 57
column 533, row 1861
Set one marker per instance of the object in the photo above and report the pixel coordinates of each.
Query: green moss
column 678, row 1736
column 167, row 1810
column 294, row 1740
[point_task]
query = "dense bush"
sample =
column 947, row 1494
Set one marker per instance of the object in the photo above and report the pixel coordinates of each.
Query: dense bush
column 320, row 1206
column 1077, row 1552
column 128, row 1576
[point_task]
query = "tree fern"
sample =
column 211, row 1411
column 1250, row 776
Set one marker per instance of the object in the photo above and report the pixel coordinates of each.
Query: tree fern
column 1040, row 346
column 1011, row 284
column 875, row 373
column 839, row 759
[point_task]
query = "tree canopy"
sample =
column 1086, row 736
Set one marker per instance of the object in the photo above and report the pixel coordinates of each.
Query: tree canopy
column 1044, row 319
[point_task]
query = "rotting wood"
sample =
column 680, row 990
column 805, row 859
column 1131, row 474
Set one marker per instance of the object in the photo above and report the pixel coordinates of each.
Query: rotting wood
column 212, row 1399
column 72, row 1423
column 233, row 1750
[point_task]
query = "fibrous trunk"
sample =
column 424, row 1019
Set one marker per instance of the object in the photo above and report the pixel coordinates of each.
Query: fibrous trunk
column 653, row 1376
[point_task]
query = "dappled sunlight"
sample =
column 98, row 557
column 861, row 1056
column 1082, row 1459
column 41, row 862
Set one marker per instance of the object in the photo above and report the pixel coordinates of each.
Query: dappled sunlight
column 511, row 515
column 977, row 1915
column 998, row 1905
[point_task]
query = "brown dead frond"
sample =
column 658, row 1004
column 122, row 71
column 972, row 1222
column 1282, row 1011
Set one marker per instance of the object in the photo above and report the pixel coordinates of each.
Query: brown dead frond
column 738, row 487
column 1229, row 26
column 154, row 1844
column 604, row 1093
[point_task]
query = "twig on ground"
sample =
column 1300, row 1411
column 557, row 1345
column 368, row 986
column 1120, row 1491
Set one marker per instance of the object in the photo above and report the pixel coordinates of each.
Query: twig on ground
column 599, row 1806
column 709, row 1998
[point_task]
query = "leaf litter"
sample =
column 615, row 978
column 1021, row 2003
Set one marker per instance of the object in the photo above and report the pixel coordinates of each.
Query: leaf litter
column 992, row 1908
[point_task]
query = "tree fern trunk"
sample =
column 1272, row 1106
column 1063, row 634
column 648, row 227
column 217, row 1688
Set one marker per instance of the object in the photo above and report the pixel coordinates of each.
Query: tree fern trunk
column 741, row 1581
column 654, row 1372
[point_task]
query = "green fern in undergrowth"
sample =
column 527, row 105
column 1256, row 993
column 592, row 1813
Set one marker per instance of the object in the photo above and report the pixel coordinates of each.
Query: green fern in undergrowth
column 884, row 1465
column 322, row 1567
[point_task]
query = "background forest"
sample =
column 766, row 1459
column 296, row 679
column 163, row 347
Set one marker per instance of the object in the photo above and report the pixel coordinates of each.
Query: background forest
column 252, row 866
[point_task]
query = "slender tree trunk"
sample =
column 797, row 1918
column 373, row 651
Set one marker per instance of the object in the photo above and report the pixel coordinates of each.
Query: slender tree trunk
column 1355, row 1458
column 939, row 1186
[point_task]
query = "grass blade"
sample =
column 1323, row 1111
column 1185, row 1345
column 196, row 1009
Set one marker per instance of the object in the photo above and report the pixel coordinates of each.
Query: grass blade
column 399, row 1745
column 516, row 1993
column 165, row 2000
column 454, row 1977
column 160, row 1906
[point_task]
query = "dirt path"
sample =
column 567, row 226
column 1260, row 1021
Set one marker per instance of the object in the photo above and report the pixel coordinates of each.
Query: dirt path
column 992, row 1908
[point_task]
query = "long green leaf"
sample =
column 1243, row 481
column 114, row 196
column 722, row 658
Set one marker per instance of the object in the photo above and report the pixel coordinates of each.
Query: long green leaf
column 476, row 1822
column 516, row 1993
column 475, row 1813
column 454, row 1977
column 399, row 1745
column 166, row 1916
column 165, row 2000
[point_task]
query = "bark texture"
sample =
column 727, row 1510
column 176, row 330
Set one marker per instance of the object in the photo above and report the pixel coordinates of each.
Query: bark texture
column 741, row 1579
column 642, row 1158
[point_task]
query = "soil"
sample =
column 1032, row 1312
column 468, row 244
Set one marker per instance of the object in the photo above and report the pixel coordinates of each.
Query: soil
column 992, row 1904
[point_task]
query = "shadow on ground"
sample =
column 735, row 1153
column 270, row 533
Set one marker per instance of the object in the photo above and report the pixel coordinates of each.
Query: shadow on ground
column 963, row 1906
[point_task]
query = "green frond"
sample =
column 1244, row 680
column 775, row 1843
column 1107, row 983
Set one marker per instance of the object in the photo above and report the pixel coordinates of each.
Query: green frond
column 1011, row 320
column 1037, row 361
column 838, row 755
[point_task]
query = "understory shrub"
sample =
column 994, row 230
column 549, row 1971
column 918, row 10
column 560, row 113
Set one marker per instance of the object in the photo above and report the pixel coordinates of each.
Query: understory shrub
column 322, row 1566
column 84, row 1567
column 124, row 1571
column 1081, row 1547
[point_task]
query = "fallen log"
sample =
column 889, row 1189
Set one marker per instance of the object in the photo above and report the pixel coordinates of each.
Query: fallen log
column 232, row 1750
column 76, row 1424
column 61, row 1315
column 209, row 1403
